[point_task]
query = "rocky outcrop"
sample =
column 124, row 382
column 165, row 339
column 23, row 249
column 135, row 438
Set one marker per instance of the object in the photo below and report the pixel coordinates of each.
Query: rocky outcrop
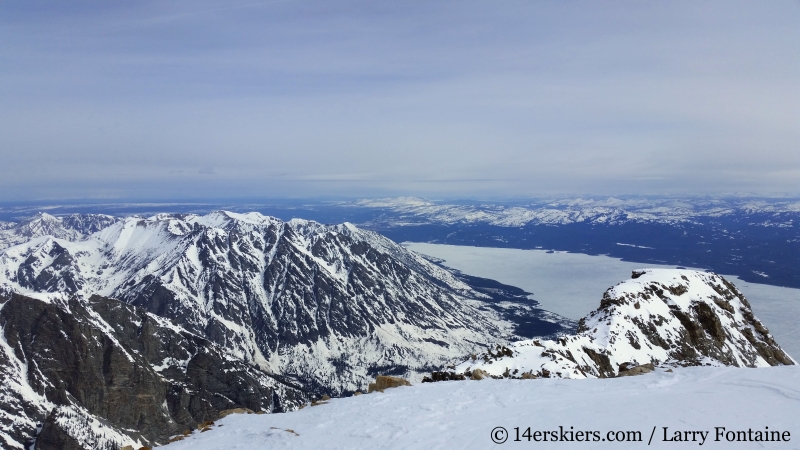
column 444, row 376
column 99, row 373
column 383, row 382
column 627, row 370
column 660, row 317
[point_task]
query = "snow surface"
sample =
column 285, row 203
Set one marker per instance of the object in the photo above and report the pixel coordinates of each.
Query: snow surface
column 589, row 276
column 462, row 414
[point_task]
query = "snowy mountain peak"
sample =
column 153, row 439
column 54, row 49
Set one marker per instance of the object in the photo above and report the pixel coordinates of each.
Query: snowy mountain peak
column 72, row 228
column 659, row 317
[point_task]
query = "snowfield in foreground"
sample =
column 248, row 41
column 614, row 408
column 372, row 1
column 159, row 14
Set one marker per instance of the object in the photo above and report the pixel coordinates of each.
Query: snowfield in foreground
column 463, row 414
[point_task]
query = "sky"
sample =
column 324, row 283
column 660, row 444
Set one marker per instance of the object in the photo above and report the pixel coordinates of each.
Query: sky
column 445, row 99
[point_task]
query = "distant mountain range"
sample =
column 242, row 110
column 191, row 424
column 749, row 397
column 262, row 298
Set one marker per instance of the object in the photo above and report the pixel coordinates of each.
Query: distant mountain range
column 73, row 227
column 402, row 211
column 608, row 211
column 273, row 292
column 757, row 239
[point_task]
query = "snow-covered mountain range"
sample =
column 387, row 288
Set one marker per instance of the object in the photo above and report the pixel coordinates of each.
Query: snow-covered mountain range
column 403, row 211
column 613, row 211
column 757, row 240
column 73, row 227
column 294, row 308
column 667, row 317
column 326, row 305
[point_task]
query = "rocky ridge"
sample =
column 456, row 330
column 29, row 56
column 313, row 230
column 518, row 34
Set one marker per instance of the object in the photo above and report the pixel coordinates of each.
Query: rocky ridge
column 73, row 227
column 660, row 317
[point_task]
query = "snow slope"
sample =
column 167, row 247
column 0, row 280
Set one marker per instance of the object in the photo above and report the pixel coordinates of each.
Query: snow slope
column 463, row 414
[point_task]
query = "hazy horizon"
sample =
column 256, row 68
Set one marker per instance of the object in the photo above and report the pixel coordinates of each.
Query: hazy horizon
column 437, row 199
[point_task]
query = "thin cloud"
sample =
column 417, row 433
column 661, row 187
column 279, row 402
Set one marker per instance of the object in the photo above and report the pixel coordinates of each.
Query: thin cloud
column 432, row 98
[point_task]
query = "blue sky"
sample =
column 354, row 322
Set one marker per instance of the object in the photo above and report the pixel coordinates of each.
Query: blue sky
column 204, row 99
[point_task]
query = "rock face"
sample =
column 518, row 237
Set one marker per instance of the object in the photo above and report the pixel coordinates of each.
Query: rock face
column 659, row 317
column 100, row 374
column 328, row 306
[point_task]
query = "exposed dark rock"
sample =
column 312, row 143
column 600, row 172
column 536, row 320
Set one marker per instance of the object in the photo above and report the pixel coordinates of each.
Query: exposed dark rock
column 710, row 322
column 54, row 437
column 679, row 289
column 110, row 361
column 604, row 367
column 445, row 376
column 630, row 370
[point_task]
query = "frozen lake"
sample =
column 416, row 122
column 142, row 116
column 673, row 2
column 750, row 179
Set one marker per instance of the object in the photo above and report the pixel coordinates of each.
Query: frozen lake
column 571, row 284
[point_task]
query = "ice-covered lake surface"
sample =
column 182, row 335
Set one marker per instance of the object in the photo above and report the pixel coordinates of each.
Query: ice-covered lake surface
column 572, row 284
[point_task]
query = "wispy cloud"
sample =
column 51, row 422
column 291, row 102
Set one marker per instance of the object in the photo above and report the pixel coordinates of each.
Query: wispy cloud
column 424, row 98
